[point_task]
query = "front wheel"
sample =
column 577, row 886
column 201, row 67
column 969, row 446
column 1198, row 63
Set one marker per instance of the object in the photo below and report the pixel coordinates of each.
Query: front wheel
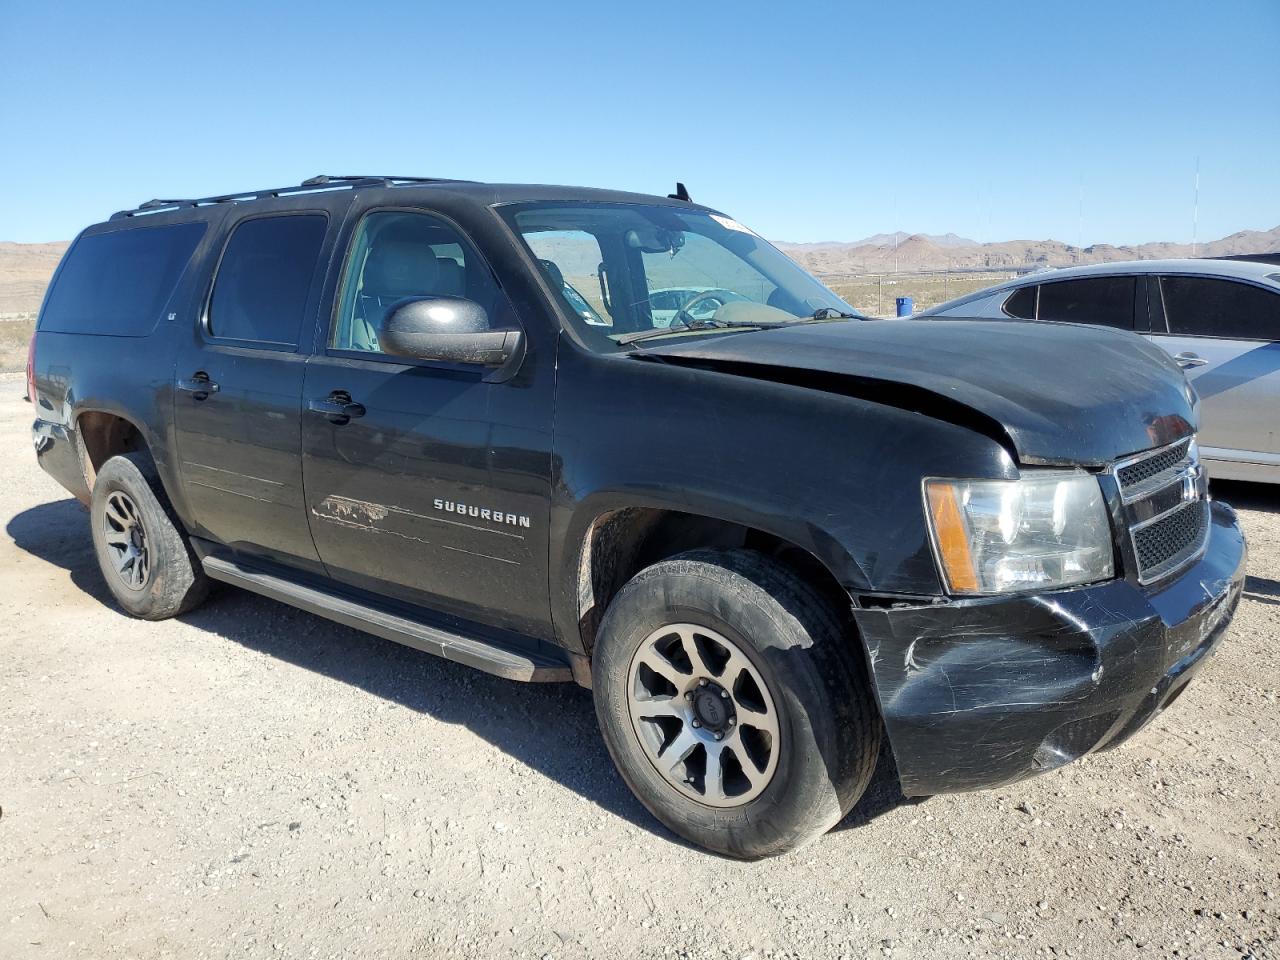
column 733, row 704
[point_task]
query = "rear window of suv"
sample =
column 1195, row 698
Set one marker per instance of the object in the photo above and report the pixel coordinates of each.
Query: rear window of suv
column 118, row 283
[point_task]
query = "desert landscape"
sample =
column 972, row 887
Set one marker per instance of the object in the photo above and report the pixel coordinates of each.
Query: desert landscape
column 901, row 252
column 869, row 273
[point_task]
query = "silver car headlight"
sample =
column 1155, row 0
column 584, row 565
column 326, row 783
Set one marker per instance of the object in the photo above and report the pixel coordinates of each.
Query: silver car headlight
column 1050, row 528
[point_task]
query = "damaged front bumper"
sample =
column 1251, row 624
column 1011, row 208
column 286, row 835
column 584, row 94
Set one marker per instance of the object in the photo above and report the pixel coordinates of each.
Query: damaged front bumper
column 981, row 693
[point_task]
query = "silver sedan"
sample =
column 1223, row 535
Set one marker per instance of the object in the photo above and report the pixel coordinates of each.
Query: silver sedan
column 1220, row 319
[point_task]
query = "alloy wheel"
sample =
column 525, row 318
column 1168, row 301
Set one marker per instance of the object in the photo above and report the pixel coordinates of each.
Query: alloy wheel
column 703, row 715
column 126, row 540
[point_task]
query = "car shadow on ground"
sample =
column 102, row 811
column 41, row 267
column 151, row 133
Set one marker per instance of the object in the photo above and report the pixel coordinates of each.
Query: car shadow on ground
column 532, row 723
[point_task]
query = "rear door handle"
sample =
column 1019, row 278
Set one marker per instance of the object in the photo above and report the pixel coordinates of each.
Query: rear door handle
column 338, row 407
column 200, row 386
column 1188, row 360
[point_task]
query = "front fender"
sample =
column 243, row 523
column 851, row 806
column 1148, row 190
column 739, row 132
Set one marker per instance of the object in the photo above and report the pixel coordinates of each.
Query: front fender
column 835, row 475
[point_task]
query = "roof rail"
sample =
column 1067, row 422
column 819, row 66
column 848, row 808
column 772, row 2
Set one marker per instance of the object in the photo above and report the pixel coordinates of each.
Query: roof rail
column 322, row 179
column 310, row 185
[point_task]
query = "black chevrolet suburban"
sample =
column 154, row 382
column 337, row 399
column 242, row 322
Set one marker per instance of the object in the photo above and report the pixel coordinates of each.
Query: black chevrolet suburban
column 764, row 531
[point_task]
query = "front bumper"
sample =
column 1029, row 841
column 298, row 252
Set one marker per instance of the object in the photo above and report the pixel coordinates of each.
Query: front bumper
column 981, row 693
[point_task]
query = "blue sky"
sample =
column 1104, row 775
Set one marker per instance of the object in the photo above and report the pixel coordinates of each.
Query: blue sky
column 808, row 121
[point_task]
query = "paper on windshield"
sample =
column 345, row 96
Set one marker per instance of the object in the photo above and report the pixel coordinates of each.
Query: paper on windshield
column 730, row 224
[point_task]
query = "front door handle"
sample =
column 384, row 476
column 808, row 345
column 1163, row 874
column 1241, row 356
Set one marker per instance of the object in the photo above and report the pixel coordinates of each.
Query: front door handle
column 1188, row 360
column 338, row 407
column 199, row 386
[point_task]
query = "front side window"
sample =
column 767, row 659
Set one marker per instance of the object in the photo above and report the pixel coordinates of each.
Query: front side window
column 1204, row 307
column 397, row 255
column 646, row 269
column 1100, row 301
column 264, row 279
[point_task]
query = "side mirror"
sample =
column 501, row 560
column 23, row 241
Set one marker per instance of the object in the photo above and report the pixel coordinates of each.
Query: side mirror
column 451, row 329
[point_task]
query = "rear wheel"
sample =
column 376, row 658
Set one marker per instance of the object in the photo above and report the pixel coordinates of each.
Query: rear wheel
column 732, row 702
column 145, row 556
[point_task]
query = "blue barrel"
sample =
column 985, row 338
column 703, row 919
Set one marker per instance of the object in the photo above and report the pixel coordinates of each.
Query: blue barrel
column 905, row 306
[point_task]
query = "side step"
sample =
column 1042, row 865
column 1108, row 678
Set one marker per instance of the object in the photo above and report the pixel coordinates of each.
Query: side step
column 500, row 660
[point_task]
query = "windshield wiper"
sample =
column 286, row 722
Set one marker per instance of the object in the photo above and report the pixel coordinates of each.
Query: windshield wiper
column 711, row 323
column 638, row 335
column 831, row 313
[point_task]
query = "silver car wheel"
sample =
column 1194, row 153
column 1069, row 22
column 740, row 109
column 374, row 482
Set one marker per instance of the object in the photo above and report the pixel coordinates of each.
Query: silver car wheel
column 126, row 540
column 703, row 715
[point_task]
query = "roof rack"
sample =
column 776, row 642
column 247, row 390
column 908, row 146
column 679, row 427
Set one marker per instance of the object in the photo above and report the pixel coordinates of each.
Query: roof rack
column 310, row 185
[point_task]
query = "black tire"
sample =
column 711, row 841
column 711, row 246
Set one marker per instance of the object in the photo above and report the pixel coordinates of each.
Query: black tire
column 815, row 670
column 172, row 581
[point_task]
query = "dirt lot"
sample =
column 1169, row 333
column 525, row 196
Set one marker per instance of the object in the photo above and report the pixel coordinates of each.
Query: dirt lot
column 257, row 782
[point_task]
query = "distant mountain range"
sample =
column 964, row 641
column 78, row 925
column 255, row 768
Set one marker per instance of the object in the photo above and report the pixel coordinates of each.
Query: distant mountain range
column 889, row 239
column 907, row 253
column 25, row 268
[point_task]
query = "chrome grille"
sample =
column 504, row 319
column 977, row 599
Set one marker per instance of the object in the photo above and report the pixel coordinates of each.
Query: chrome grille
column 1162, row 546
column 1136, row 473
column 1166, row 505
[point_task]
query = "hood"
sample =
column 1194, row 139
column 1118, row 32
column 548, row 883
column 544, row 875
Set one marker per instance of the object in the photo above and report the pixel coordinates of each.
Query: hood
column 1051, row 393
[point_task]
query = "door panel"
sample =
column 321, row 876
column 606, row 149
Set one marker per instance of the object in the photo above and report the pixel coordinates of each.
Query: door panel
column 240, row 450
column 1239, row 387
column 438, row 493
column 436, row 488
column 1238, row 380
column 238, row 389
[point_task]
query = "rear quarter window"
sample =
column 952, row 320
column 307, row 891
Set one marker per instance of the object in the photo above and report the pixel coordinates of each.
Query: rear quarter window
column 1022, row 304
column 118, row 284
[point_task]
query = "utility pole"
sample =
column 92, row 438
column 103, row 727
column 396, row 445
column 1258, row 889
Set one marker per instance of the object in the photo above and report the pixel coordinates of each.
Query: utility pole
column 1080, row 220
column 1195, row 210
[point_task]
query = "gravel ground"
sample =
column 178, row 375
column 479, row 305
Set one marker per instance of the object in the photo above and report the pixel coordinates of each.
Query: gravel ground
column 254, row 781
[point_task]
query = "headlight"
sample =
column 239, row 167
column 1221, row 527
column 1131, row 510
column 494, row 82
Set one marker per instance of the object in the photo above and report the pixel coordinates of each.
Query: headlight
column 1048, row 529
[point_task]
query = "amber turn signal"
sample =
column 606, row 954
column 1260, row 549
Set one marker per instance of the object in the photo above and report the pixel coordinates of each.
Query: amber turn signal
column 951, row 536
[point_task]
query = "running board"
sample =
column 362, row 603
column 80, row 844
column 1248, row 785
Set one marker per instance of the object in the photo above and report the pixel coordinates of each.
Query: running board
column 500, row 660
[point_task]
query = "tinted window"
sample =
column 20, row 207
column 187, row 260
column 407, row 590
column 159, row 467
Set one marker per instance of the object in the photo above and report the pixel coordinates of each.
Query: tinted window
column 1102, row 301
column 1196, row 306
column 398, row 255
column 263, row 280
column 119, row 283
column 1022, row 304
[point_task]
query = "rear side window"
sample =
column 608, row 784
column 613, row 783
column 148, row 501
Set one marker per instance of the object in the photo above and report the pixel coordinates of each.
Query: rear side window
column 118, row 284
column 260, row 293
column 1200, row 307
column 1022, row 304
column 1101, row 301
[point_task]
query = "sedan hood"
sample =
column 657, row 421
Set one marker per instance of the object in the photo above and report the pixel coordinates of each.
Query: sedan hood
column 1052, row 393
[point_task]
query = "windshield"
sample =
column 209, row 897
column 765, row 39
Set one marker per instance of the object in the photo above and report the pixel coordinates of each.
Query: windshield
column 631, row 271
